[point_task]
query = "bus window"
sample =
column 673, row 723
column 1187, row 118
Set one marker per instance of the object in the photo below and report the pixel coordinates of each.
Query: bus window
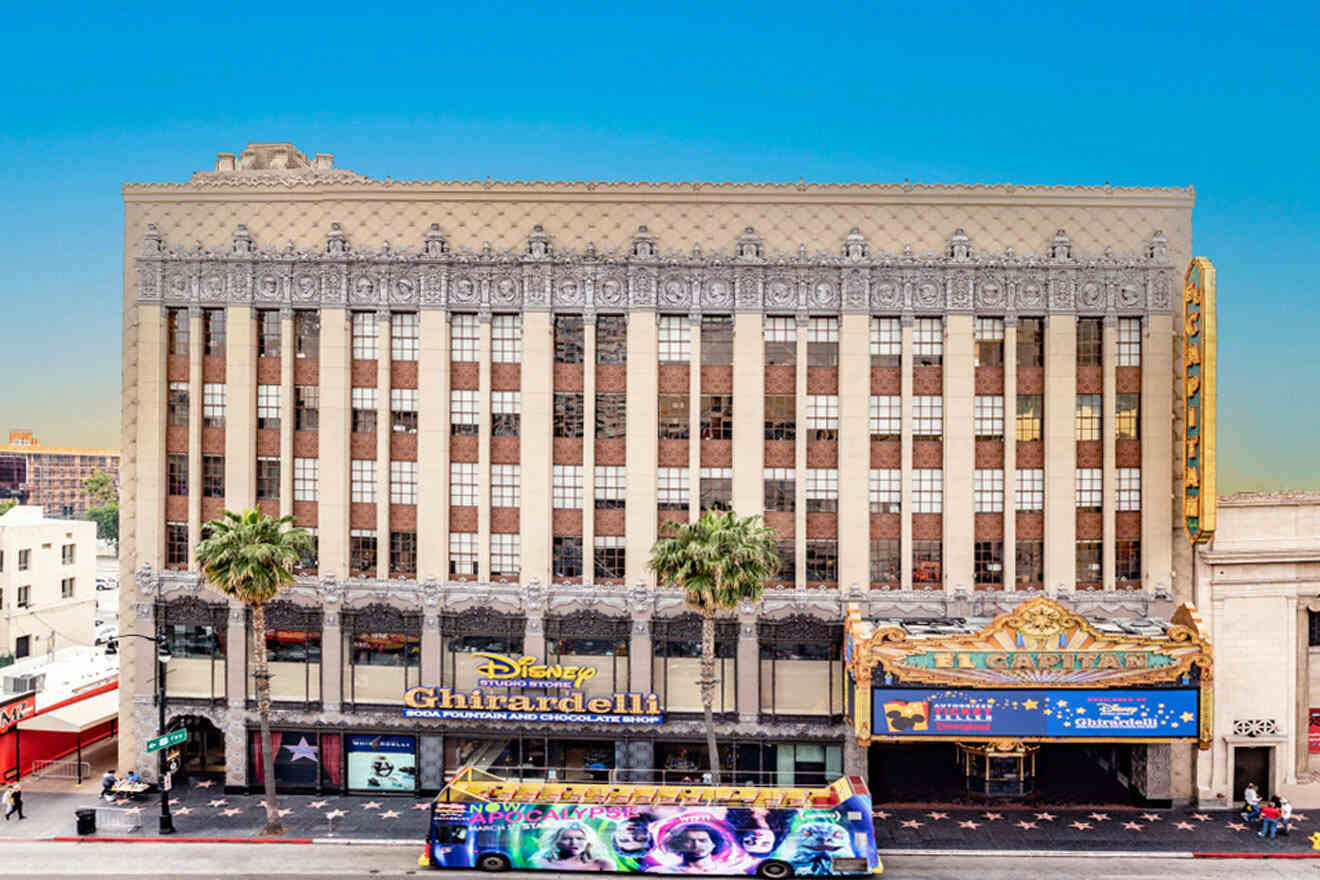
column 451, row 834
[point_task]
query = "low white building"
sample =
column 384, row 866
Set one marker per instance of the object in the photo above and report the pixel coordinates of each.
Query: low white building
column 47, row 583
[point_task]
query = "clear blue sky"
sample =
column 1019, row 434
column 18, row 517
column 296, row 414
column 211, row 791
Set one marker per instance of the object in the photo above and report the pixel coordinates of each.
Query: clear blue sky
column 1219, row 96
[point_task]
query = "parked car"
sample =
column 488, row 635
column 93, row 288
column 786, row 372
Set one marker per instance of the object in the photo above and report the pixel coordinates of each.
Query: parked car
column 106, row 633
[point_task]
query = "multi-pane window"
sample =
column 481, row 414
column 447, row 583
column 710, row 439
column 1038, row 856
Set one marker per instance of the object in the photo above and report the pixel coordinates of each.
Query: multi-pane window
column 569, row 413
column 928, row 490
column 716, row 340
column 675, row 341
column 1127, row 416
column 570, row 339
column 1030, row 416
column 566, row 489
column 787, row 553
column 927, row 415
column 780, row 489
column 268, row 333
column 365, row 402
column 1090, row 342
column 505, row 485
column 1031, row 342
column 506, row 339
column 25, row 596
column 405, row 331
column 1129, row 342
column 780, row 340
column 403, row 552
column 363, row 473
column 176, row 543
column 1129, row 489
column 988, row 563
column 716, row 489
column 886, row 342
column 823, row 342
column 611, row 414
column 505, row 554
column 268, row 477
column 1088, row 562
column 673, row 488
column 463, row 554
column 178, row 405
column 611, row 339
column 213, row 476
column 1030, row 489
column 463, row 412
column 362, row 551
column 674, row 417
column 608, row 557
column 213, row 331
column 1127, row 562
column 780, row 417
column 886, row 416
column 464, row 338
column 403, row 410
column 176, row 327
column 989, row 415
column 886, row 490
column 307, row 333
column 989, row 333
column 364, row 336
column 823, row 417
column 463, row 483
column 68, row 552
column 1088, row 417
column 403, row 482
column 505, row 413
column 927, row 564
column 306, row 407
column 213, row 405
column 176, row 473
column 886, row 563
column 717, row 417
column 928, row 342
column 611, row 486
column 66, row 588
column 268, row 406
column 822, row 560
column 988, row 490
column 566, row 560
column 24, row 560
column 306, row 479
column 1030, row 564
column 822, row 490
column 1088, row 487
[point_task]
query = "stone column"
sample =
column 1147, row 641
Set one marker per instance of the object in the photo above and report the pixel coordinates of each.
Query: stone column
column 748, row 692
column 195, row 398
column 287, row 357
column 483, row 450
column 332, row 651
column 640, row 513
column 1060, row 453
column 800, row 454
column 1010, row 453
column 333, row 442
column 384, row 430
column 694, row 418
column 959, row 519
column 905, row 452
column 433, row 446
column 1109, row 445
column 1157, row 456
column 748, row 414
column 236, row 655
column 431, row 648
column 537, row 445
column 534, row 638
column 639, row 654
column 240, row 408
column 855, row 450
column 855, row 757
column 589, row 449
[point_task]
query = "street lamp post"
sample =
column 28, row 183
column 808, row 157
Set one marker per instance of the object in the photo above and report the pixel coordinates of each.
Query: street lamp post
column 162, row 658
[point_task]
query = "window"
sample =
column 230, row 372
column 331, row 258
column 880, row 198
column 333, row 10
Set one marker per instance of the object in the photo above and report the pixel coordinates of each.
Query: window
column 673, row 488
column 886, row 564
column 780, row 417
column 505, row 413
column 886, row 416
column 176, row 473
column 989, row 333
column 463, row 416
column 675, row 340
column 787, row 553
column 611, row 487
column 268, row 406
column 611, row 339
column 364, row 402
column 823, row 342
column 306, row 479
column 363, row 473
column 464, row 338
column 1127, row 416
column 781, row 340
column 608, row 557
column 403, row 482
column 67, row 554
column 1090, row 342
column 567, row 551
column 716, row 340
column 570, row 339
column 1031, row 342
column 674, row 417
column 886, row 342
column 989, row 412
column 989, row 490
column 928, row 342
column 1313, row 629
column 505, row 485
column 22, row 647
column 928, row 490
column 1031, row 489
column 268, row 477
column 306, row 407
column 213, row 405
column 1088, row 418
column 611, row 414
column 1088, row 488
column 716, row 417
column 403, row 410
column 1030, row 416
column 213, row 476
column 569, row 412
column 566, row 489
column 307, row 333
column 1088, row 562
column 886, row 491
column 1127, row 562
column 505, row 554
column 1129, row 342
column 176, row 543
column 716, row 489
column 463, row 554
column 1129, row 489
column 927, row 564
column 1030, row 564
column 988, row 563
column 823, row 417
column 213, row 331
column 403, row 552
column 364, row 336
column 362, row 550
column 822, row 561
column 780, row 489
column 927, row 416
column 25, row 597
column 506, row 339
column 405, row 330
column 822, row 490
column 178, row 405
column 268, row 333
column 176, row 327
column 463, row 483
column 66, row 588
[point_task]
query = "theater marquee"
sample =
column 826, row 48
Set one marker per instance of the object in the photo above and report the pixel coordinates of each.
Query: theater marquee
column 1199, row 389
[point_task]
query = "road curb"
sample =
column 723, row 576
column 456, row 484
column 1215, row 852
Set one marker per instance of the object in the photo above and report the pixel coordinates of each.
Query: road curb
column 89, row 839
column 1256, row 855
column 1043, row 853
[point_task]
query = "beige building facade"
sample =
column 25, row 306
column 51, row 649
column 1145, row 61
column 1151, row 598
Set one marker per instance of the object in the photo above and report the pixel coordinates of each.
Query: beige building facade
column 47, row 583
column 52, row 477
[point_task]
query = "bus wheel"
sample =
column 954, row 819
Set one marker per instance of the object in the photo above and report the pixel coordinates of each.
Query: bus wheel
column 498, row 862
column 774, row 870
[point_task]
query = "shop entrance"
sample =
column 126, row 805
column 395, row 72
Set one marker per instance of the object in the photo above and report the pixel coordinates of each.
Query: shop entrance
column 1251, row 764
column 202, row 754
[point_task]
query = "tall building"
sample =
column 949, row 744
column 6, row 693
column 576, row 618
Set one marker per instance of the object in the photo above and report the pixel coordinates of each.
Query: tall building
column 47, row 583
column 485, row 400
column 51, row 477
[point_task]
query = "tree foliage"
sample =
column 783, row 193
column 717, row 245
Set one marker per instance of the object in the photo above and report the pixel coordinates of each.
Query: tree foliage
column 101, row 489
column 6, row 504
column 107, row 522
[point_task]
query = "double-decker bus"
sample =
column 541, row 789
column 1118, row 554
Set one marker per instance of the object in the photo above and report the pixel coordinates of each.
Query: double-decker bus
column 483, row 821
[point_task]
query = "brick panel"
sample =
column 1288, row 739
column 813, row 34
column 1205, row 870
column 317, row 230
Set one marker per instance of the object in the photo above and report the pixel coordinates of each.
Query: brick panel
column 716, row 453
column 927, row 527
column 568, row 377
column 1031, row 454
column 1090, row 525
column 886, row 526
column 611, row 377
column 462, row 447
column 306, row 444
column 362, row 515
column 783, row 522
column 1090, row 380
column 989, row 527
column 927, row 454
column 780, row 379
column 673, row 378
column 989, row 380
column 176, row 439
column 568, row 450
column 403, row 447
column 268, row 442
column 927, row 380
column 504, row 520
column 463, row 376
column 269, row 506
column 822, row 454
column 673, row 453
column 568, row 521
column 822, row 380
column 609, row 522
column 886, row 453
column 717, row 380
column 307, row 371
column 268, row 371
column 403, row 374
column 989, row 453
column 305, row 513
column 362, row 446
column 213, row 441
column 675, row 516
column 212, row 508
column 503, row 450
column 822, row 525
column 1031, row 380
column 176, row 367
column 1030, row 526
column 780, row 454
column 213, row 368
column 1127, row 524
column 1127, row 453
column 1128, row 380
column 612, row 451
column 462, row 519
column 1090, row 453
column 365, row 373
column 176, row 508
column 886, row 380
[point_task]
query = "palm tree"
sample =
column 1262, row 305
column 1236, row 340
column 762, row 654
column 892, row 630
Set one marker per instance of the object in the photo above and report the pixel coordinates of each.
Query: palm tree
column 719, row 561
column 249, row 556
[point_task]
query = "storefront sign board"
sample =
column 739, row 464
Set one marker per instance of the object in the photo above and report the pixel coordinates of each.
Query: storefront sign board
column 381, row 763
column 16, row 709
column 1200, row 382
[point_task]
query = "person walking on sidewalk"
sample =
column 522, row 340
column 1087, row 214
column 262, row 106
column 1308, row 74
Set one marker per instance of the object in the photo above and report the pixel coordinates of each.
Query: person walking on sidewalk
column 108, row 785
column 1269, row 821
column 1252, row 798
column 14, row 801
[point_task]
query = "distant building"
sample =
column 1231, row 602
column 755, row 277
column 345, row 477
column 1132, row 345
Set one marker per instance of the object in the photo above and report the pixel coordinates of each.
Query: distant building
column 47, row 582
column 51, row 477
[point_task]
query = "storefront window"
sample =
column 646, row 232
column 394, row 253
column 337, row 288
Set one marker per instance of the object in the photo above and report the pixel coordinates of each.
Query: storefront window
column 801, row 668
column 467, row 635
column 510, row 757
column 751, row 762
column 304, row 760
column 293, row 654
column 382, row 655
column 195, row 635
column 676, row 664
column 591, row 640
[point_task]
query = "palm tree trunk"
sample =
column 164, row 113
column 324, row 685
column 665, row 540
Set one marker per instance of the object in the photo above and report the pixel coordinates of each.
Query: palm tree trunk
column 261, row 674
column 708, row 689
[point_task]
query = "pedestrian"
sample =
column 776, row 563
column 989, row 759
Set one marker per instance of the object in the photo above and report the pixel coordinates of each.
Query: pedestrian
column 108, row 785
column 1269, row 821
column 1285, row 816
column 1252, row 811
column 14, row 801
column 9, row 802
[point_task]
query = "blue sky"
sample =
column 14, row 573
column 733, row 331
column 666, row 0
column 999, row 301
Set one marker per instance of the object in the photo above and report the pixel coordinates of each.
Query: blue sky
column 1219, row 96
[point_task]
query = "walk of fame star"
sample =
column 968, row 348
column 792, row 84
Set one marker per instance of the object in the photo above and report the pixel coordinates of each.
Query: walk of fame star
column 969, row 824
column 371, row 805
column 879, row 814
column 1132, row 826
column 1045, row 817
column 1100, row 817
column 1200, row 817
column 990, row 817
column 316, row 805
column 389, row 814
column 936, row 815
column 1025, row 825
column 1237, row 826
column 303, row 749
column 1184, row 826
column 912, row 823
column 1081, row 826
column 1151, row 817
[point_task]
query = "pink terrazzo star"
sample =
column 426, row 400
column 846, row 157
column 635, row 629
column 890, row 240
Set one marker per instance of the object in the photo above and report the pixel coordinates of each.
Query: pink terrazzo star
column 206, row 783
column 879, row 814
column 1237, row 826
column 1133, row 826
column 1045, row 817
column 912, row 823
column 232, row 811
column 371, row 805
column 969, row 824
column 425, row 805
column 991, row 817
column 183, row 811
column 174, row 802
column 1200, row 817
column 316, row 805
column 936, row 815
column 335, row 814
column 1100, row 817
column 1025, row 825
column 218, row 803
column 389, row 814
column 1151, row 817
column 1184, row 826
column 1080, row 826
column 1299, row 817
column 284, row 813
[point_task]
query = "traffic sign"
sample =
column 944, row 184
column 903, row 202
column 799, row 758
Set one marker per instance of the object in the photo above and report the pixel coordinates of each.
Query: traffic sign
column 167, row 739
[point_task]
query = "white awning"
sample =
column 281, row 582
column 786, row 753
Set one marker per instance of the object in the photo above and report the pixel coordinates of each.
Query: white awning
column 77, row 717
